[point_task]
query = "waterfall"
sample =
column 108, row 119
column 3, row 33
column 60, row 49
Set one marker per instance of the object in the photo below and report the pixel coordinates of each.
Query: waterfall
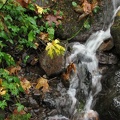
column 89, row 50
column 86, row 53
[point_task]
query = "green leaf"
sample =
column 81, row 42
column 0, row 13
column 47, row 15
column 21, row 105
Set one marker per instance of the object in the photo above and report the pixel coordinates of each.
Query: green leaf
column 3, row 35
column 31, row 20
column 31, row 36
column 96, row 9
column 86, row 24
column 51, row 32
column 3, row 104
column 19, row 107
column 74, row 4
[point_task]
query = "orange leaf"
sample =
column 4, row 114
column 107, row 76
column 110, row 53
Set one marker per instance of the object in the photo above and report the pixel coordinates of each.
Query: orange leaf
column 53, row 19
column 22, row 112
column 70, row 67
column 23, row 3
column 44, row 36
column 87, row 8
column 13, row 70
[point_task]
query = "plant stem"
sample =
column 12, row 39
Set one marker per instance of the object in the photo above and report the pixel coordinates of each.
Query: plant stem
column 77, row 31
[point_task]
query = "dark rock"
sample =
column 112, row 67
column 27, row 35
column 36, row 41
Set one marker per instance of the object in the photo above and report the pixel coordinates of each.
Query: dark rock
column 49, row 100
column 107, row 58
column 33, row 103
column 24, row 101
column 108, row 104
column 103, row 69
column 51, row 66
column 37, row 111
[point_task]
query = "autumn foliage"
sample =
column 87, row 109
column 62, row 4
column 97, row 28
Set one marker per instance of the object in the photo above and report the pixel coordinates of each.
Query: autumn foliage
column 66, row 75
column 23, row 3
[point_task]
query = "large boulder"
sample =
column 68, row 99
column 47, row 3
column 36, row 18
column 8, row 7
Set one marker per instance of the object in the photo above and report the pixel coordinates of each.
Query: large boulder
column 51, row 66
column 115, row 32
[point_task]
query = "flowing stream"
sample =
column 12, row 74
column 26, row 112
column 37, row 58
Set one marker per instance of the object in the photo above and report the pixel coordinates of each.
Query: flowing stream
column 87, row 55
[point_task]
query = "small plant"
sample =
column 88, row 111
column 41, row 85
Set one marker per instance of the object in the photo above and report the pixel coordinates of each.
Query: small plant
column 10, row 85
column 20, row 117
column 74, row 4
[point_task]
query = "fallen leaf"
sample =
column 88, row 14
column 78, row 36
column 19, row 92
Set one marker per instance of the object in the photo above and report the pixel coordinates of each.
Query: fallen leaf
column 26, row 85
column 23, row 3
column 2, row 91
column 66, row 75
column 54, row 19
column 44, row 36
column 43, row 83
column 13, row 70
column 22, row 112
column 71, row 67
column 39, row 9
column 87, row 7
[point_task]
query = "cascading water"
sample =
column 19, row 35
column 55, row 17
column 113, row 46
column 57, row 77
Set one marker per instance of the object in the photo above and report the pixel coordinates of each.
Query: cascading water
column 87, row 55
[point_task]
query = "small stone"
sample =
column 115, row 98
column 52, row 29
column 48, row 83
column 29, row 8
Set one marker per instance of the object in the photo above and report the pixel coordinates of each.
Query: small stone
column 33, row 103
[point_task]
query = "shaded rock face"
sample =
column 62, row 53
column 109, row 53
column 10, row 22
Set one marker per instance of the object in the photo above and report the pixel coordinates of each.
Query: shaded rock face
column 108, row 103
column 107, row 58
column 71, row 25
column 51, row 66
column 115, row 32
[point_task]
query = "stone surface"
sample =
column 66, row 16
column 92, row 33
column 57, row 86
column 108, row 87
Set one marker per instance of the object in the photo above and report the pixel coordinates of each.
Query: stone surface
column 33, row 103
column 115, row 32
column 107, row 58
column 106, row 45
column 108, row 104
column 71, row 25
column 51, row 66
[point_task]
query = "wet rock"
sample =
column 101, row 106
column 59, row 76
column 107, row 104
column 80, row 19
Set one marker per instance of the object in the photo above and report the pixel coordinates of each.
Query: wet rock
column 107, row 58
column 51, row 66
column 106, row 45
column 108, row 104
column 49, row 101
column 37, row 111
column 103, row 69
column 33, row 103
column 36, row 93
column 115, row 32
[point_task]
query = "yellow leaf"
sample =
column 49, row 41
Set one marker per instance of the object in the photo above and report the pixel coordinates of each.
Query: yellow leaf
column 43, row 83
column 39, row 9
column 2, row 91
column 54, row 48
